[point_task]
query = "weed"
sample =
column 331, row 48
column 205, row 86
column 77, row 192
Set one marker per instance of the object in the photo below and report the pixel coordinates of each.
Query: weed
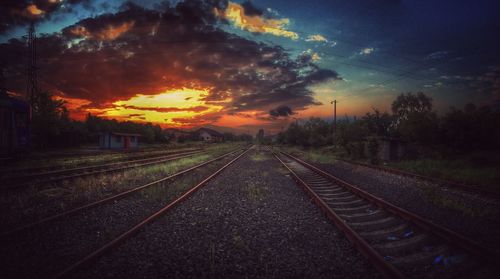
column 259, row 156
column 256, row 192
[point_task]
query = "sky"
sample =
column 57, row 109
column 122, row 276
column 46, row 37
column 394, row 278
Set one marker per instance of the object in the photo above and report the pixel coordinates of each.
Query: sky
column 252, row 64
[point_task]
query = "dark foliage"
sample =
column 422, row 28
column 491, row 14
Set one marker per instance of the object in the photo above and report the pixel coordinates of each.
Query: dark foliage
column 413, row 121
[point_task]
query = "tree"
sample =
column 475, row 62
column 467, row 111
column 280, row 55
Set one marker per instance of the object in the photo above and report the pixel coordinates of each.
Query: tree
column 260, row 136
column 415, row 122
column 48, row 117
column 378, row 124
column 227, row 136
column 406, row 104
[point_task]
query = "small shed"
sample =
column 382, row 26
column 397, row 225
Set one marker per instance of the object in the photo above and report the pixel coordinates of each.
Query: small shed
column 112, row 140
column 209, row 135
column 14, row 124
column 389, row 149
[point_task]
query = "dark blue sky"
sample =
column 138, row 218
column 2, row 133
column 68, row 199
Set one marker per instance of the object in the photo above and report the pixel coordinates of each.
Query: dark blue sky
column 374, row 49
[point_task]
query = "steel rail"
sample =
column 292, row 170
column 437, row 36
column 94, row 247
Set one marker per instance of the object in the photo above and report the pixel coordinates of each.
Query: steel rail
column 135, row 229
column 452, row 238
column 7, row 173
column 97, row 172
column 115, row 197
column 387, row 269
column 90, row 167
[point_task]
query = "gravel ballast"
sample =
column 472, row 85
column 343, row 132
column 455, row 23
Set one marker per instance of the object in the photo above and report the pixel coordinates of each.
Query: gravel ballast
column 48, row 249
column 250, row 221
column 474, row 216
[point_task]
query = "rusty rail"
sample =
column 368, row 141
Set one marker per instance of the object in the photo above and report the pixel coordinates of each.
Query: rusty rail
column 387, row 269
column 108, row 199
column 94, row 170
column 135, row 229
column 452, row 237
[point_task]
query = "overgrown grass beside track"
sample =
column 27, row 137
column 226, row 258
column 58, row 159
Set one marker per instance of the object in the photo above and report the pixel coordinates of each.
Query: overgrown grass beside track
column 53, row 198
column 461, row 170
column 75, row 159
column 481, row 170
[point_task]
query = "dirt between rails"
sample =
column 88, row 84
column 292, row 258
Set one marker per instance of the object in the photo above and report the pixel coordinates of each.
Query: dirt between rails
column 251, row 221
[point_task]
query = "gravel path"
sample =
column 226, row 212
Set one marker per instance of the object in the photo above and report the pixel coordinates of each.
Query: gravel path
column 472, row 215
column 46, row 250
column 252, row 221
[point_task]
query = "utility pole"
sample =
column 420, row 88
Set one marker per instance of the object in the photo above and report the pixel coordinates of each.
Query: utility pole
column 334, row 102
column 31, row 82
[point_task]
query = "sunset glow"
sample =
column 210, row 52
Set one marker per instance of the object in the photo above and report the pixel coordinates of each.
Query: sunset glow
column 173, row 108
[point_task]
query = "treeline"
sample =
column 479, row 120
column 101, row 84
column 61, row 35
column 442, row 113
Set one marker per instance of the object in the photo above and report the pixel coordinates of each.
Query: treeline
column 191, row 136
column 413, row 121
column 52, row 127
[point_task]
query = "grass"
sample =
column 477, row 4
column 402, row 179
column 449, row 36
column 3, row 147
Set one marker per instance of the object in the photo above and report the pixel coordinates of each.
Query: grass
column 86, row 160
column 259, row 156
column 61, row 196
column 256, row 192
column 480, row 169
column 461, row 170
column 106, row 156
column 321, row 155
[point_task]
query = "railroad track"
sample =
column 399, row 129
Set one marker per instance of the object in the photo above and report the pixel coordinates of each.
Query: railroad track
column 65, row 174
column 115, row 197
column 20, row 171
column 398, row 243
column 139, row 226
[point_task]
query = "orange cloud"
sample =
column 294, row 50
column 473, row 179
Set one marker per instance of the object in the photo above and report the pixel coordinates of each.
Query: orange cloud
column 255, row 23
column 33, row 11
column 75, row 106
column 108, row 33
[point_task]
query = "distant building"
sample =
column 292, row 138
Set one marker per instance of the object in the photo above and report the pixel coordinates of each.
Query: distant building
column 177, row 135
column 208, row 135
column 111, row 140
column 389, row 149
column 14, row 124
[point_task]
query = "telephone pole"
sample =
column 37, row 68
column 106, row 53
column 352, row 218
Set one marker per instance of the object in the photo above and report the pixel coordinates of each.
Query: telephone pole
column 31, row 82
column 334, row 102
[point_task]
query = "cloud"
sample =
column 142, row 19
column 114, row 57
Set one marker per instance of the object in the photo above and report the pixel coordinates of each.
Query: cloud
column 15, row 13
column 105, row 33
column 225, row 72
column 168, row 109
column 252, row 20
column 316, row 38
column 437, row 55
column 281, row 111
column 309, row 56
column 366, row 51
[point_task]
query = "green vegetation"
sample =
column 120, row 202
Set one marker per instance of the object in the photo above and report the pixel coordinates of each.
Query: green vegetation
column 259, row 156
column 256, row 192
column 469, row 169
column 68, row 194
column 461, row 145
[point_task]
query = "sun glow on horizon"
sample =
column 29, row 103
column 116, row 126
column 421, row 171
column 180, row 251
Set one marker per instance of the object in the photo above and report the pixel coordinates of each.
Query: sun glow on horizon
column 172, row 108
